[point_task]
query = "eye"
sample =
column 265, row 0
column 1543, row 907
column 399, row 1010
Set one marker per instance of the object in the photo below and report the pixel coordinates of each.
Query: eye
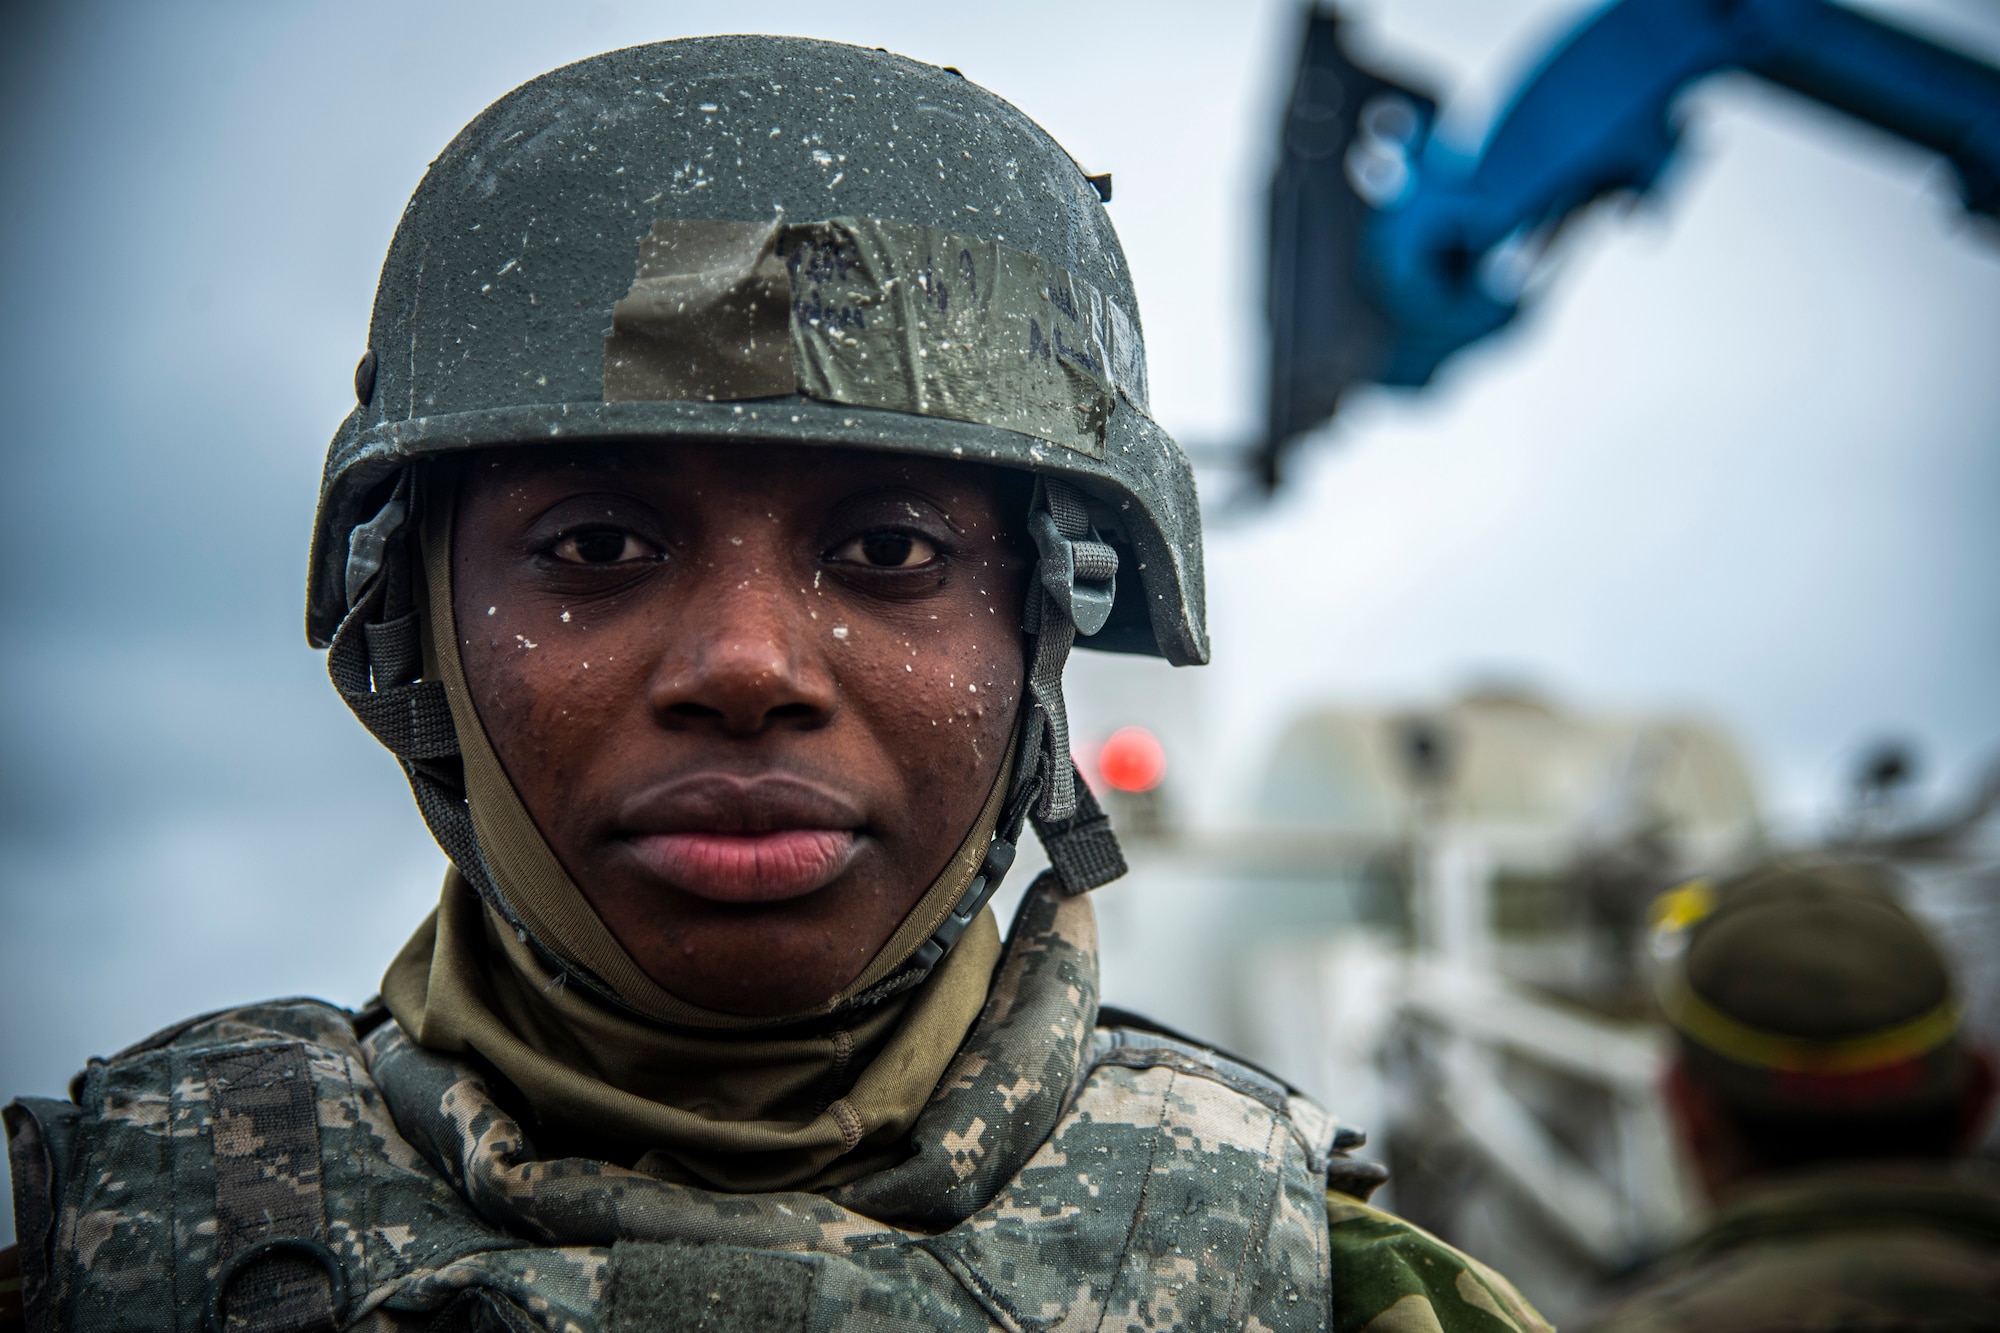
column 888, row 549
column 602, row 546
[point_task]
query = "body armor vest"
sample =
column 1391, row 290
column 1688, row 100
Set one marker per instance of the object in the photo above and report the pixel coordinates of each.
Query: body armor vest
column 282, row 1167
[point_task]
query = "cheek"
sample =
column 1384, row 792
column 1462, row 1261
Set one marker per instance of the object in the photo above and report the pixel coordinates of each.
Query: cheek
column 548, row 691
column 946, row 691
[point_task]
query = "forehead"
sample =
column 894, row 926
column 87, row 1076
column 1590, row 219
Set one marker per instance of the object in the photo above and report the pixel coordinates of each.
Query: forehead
column 726, row 462
column 703, row 473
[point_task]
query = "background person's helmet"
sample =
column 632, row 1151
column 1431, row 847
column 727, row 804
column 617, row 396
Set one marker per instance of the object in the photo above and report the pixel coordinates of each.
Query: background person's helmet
column 1802, row 987
column 767, row 240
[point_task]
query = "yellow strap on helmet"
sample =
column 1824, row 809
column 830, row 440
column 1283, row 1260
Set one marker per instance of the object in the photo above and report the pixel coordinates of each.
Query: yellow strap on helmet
column 1708, row 1026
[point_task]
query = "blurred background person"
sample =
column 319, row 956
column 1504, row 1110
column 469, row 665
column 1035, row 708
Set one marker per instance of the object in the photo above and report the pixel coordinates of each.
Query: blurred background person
column 1825, row 1096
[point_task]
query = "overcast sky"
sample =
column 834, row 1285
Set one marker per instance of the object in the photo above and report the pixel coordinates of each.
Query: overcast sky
column 1743, row 462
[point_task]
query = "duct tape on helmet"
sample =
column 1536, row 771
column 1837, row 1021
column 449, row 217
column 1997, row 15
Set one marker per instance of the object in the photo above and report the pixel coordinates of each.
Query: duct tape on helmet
column 872, row 313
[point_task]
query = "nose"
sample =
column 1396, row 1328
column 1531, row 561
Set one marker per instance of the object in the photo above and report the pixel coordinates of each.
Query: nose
column 747, row 660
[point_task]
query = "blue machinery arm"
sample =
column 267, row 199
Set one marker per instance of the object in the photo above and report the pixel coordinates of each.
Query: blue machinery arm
column 1389, row 254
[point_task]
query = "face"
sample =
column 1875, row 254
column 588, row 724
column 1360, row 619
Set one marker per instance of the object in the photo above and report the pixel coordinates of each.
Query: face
column 753, row 699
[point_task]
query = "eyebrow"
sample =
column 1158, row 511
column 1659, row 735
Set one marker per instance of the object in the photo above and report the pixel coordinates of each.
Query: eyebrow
column 905, row 493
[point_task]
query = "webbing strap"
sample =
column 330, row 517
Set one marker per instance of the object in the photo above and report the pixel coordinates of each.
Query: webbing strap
column 268, row 1201
column 1045, row 741
column 411, row 718
column 1083, row 850
column 35, row 1199
column 1075, row 579
column 374, row 661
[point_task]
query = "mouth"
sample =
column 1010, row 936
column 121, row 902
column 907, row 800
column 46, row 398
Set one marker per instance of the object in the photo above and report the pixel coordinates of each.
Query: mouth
column 736, row 839
column 748, row 867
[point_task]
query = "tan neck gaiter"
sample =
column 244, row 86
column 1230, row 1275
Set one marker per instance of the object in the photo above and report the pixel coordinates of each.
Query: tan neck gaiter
column 684, row 1091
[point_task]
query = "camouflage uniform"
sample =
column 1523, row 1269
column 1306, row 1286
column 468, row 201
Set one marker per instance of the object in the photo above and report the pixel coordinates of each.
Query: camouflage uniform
column 1904, row 1245
column 1064, row 1176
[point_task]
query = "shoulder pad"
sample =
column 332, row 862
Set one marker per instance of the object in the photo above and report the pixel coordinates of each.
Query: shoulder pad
column 240, row 1161
column 1325, row 1140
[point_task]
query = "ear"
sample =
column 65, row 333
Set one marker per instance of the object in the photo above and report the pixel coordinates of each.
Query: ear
column 1708, row 1136
column 1982, row 1081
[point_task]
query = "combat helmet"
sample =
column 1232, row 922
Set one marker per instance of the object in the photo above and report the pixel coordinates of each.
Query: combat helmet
column 1802, row 986
column 766, row 241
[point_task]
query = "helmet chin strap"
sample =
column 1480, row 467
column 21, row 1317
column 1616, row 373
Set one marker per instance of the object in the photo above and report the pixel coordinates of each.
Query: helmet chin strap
column 1072, row 593
column 377, row 664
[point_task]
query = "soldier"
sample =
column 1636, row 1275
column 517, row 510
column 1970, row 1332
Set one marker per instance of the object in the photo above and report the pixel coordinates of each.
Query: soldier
column 1824, row 1095
column 749, row 428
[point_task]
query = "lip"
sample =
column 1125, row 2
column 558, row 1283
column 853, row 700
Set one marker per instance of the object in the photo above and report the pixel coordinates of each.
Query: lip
column 748, row 867
column 733, row 839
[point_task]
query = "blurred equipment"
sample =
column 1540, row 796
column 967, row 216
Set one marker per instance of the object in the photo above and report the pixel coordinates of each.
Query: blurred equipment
column 1880, row 784
column 1485, row 1007
column 1132, row 760
column 1823, row 1091
column 1390, row 252
column 1130, row 767
column 1349, row 146
column 1949, row 867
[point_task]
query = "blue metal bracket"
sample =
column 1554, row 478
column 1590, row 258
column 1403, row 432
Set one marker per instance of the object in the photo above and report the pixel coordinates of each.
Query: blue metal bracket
column 1596, row 117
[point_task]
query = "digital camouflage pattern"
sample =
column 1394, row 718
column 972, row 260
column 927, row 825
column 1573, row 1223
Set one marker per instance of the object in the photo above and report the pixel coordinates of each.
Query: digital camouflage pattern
column 1903, row 1245
column 1064, row 1176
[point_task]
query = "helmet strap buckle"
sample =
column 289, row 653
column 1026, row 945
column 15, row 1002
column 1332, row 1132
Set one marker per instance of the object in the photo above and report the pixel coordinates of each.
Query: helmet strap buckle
column 1075, row 585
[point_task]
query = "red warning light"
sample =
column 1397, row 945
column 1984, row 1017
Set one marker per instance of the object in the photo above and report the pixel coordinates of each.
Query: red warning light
column 1132, row 760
